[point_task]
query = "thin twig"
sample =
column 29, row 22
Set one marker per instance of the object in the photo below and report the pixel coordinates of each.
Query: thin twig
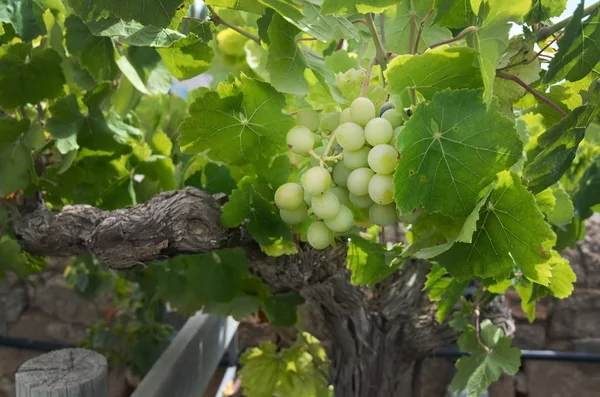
column 533, row 92
column 364, row 22
column 41, row 115
column 312, row 54
column 380, row 52
column 364, row 89
column 305, row 39
column 339, row 45
column 413, row 26
column 219, row 21
column 478, row 330
column 420, row 31
column 459, row 36
column 537, row 54
column 548, row 31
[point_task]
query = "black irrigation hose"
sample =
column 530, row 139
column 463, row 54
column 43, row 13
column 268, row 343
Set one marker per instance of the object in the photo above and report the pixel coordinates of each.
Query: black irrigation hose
column 228, row 360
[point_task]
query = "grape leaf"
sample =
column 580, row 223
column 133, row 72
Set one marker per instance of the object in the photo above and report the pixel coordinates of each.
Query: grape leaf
column 436, row 69
column 511, row 230
column 218, row 179
column 130, row 72
column 558, row 147
column 371, row 262
column 286, row 63
column 236, row 209
column 563, row 277
column 587, row 194
column 491, row 39
column 14, row 259
column 16, row 162
column 157, row 13
column 477, row 372
column 578, row 48
column 134, row 33
column 26, row 16
column 281, row 308
column 324, row 27
column 375, row 6
column 95, row 54
column 542, row 10
column 453, row 13
column 191, row 55
column 443, row 289
column 252, row 6
column 344, row 7
column 528, row 302
column 563, row 211
column 28, row 75
column 65, row 123
column 240, row 306
column 452, row 148
column 237, row 128
column 287, row 9
column 398, row 22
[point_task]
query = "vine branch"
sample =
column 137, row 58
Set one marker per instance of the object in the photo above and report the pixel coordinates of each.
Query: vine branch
column 548, row 31
column 459, row 36
column 380, row 52
column 507, row 76
column 420, row 31
column 219, row 21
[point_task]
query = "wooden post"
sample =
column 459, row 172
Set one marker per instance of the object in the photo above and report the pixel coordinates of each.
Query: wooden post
column 64, row 373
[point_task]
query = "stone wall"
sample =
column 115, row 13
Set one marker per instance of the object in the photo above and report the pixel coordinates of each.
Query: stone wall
column 44, row 308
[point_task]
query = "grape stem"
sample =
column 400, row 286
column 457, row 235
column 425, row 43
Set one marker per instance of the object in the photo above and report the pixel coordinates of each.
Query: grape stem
column 533, row 92
column 380, row 52
column 459, row 36
column 546, row 32
column 413, row 26
column 364, row 89
column 420, row 31
column 329, row 144
column 478, row 330
column 219, row 21
column 537, row 54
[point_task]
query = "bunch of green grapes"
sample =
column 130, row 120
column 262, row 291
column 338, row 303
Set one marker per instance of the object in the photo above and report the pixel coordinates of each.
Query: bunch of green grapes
column 353, row 155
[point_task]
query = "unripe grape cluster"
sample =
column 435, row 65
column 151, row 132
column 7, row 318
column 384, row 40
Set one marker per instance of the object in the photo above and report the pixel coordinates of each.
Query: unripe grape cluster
column 352, row 157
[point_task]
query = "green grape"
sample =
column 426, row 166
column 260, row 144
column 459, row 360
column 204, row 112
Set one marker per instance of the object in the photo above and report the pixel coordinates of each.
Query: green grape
column 289, row 196
column 341, row 193
column 294, row 216
column 393, row 117
column 383, row 215
column 358, row 181
column 319, row 235
column 326, row 205
column 342, row 221
column 340, row 174
column 394, row 138
column 378, row 131
column 381, row 189
column 385, row 107
column 354, row 159
column 350, row 136
column 361, row 111
column 360, row 201
column 345, row 116
column 320, row 150
column 300, row 139
column 307, row 197
column 316, row 180
column 308, row 118
column 329, row 122
column 383, row 159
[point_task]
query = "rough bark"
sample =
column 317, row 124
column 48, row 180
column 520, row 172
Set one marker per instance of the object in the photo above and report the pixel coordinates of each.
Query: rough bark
column 374, row 336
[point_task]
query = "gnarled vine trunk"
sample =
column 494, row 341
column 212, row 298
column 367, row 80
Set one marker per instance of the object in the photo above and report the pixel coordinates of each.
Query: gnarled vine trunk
column 374, row 336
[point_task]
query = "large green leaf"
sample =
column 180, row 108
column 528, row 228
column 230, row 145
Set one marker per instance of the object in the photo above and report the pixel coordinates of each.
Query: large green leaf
column 451, row 150
column 397, row 24
column 237, row 128
column 542, row 10
column 187, row 57
column 578, row 49
column 134, row 33
column 491, row 39
column 324, row 27
column 453, row 13
column 16, row 162
column 26, row 16
column 510, row 230
column 371, row 262
column 478, row 371
column 241, row 5
column 344, row 7
column 95, row 54
column 28, row 75
column 558, row 147
column 444, row 290
column 437, row 69
column 157, row 13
